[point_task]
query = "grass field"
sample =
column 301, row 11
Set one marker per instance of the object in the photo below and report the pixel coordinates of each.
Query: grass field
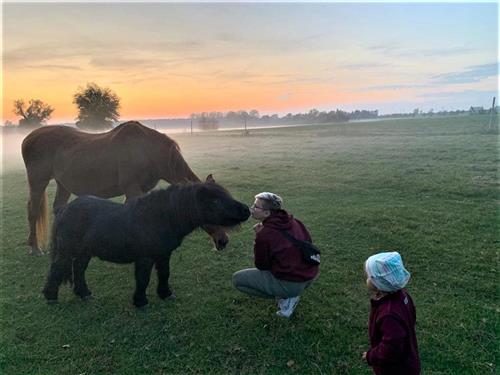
column 427, row 188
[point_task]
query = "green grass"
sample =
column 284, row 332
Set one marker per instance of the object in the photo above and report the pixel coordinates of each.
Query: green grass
column 427, row 188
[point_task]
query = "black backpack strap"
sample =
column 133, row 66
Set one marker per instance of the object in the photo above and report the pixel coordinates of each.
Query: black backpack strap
column 288, row 236
column 310, row 253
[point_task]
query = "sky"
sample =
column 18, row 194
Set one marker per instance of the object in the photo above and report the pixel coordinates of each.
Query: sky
column 168, row 60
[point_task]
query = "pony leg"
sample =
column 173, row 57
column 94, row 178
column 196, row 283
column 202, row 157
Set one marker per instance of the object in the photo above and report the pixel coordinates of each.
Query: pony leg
column 143, row 268
column 37, row 217
column 163, row 270
column 80, row 287
column 59, row 272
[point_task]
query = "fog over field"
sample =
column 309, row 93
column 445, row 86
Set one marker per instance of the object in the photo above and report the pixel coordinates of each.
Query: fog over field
column 12, row 140
column 11, row 152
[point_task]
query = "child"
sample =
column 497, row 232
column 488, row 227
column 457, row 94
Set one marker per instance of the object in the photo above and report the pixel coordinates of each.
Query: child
column 280, row 271
column 391, row 326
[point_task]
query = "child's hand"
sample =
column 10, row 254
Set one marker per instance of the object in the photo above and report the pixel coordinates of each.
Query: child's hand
column 258, row 227
column 363, row 357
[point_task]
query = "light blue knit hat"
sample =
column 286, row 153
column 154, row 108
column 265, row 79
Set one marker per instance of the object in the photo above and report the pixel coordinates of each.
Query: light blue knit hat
column 387, row 272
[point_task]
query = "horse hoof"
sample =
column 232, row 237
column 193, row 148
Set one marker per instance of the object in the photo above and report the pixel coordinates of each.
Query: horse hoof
column 87, row 298
column 36, row 252
column 171, row 297
column 51, row 301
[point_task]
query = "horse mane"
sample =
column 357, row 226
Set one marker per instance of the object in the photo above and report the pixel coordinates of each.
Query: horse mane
column 177, row 164
column 174, row 206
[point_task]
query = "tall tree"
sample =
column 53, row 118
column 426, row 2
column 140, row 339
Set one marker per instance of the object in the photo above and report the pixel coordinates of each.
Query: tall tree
column 209, row 121
column 254, row 114
column 97, row 107
column 34, row 115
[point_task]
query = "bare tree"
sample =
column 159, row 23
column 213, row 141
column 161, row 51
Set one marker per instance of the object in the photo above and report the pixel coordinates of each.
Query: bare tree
column 34, row 115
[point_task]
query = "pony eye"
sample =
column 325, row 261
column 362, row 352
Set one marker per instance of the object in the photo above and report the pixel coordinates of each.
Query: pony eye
column 216, row 201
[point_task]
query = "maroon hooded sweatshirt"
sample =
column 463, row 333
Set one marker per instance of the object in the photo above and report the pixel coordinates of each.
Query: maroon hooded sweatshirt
column 275, row 253
column 393, row 341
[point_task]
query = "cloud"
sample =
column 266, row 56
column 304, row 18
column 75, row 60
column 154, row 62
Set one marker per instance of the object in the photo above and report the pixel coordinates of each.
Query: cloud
column 471, row 74
column 40, row 52
column 107, row 54
column 276, row 44
column 285, row 97
column 396, row 50
column 399, row 86
column 446, row 52
column 178, row 46
column 235, row 75
column 291, row 79
column 118, row 62
column 362, row 66
column 227, row 37
column 55, row 67
column 385, row 48
column 463, row 93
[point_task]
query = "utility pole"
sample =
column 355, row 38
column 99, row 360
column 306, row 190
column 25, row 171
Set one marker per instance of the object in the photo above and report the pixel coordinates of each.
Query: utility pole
column 492, row 111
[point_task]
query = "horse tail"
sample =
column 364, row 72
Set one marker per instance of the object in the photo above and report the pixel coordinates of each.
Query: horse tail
column 42, row 223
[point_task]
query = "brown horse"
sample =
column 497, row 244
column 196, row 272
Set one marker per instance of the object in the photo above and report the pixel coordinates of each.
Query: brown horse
column 129, row 160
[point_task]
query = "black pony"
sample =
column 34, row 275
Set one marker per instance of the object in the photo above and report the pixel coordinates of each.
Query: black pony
column 145, row 231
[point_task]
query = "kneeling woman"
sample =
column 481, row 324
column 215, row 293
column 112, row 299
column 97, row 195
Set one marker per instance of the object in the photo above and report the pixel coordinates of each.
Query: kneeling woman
column 281, row 271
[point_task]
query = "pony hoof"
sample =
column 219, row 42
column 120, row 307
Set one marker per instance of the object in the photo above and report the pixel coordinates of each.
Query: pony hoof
column 141, row 304
column 87, row 298
column 51, row 301
column 167, row 296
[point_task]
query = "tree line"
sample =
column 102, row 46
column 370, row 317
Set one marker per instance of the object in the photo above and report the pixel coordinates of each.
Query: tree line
column 212, row 120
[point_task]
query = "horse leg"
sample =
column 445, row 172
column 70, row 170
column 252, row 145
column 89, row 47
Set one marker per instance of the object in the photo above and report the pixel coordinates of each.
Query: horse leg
column 62, row 196
column 163, row 270
column 132, row 191
column 59, row 272
column 80, row 287
column 143, row 268
column 36, row 212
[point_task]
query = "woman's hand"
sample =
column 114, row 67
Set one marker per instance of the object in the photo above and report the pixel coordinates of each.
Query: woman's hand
column 363, row 357
column 258, row 227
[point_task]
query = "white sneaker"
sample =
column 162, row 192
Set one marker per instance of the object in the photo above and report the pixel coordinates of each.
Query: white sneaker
column 287, row 306
column 278, row 301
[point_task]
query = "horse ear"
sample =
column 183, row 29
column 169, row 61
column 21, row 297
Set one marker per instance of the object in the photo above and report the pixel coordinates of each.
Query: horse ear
column 210, row 179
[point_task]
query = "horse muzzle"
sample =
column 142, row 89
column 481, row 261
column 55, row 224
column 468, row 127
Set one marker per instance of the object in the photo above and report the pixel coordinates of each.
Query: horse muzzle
column 221, row 243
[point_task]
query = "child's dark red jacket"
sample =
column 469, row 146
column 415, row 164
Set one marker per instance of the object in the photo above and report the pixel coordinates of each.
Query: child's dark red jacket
column 275, row 253
column 393, row 341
